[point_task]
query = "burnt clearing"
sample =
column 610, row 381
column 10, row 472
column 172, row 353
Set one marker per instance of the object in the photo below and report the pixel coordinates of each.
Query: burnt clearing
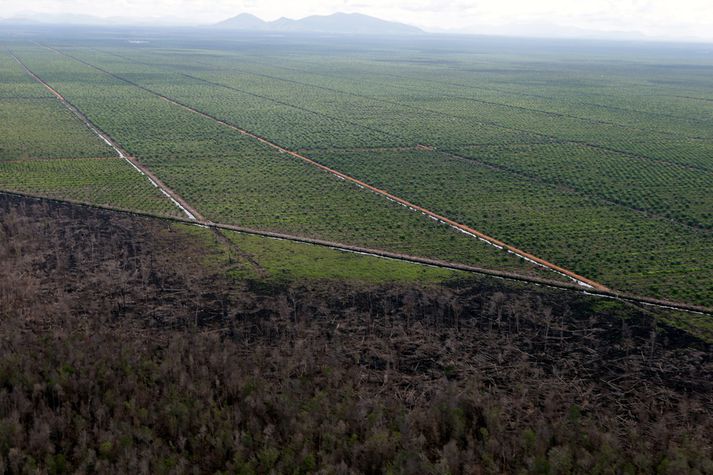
column 124, row 346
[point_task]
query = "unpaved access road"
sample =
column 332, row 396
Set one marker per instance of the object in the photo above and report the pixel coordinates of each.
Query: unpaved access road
column 182, row 204
column 579, row 279
column 510, row 276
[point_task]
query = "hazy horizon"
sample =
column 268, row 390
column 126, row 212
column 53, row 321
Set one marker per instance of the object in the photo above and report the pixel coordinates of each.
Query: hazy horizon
column 686, row 20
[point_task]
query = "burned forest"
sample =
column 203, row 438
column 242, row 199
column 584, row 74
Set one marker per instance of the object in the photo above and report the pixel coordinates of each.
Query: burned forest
column 125, row 346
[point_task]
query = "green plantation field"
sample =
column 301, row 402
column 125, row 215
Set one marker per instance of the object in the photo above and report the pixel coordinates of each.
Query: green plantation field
column 597, row 161
column 234, row 179
column 42, row 128
column 260, row 189
column 659, row 189
column 610, row 243
column 45, row 150
column 106, row 181
column 412, row 109
column 33, row 124
column 16, row 84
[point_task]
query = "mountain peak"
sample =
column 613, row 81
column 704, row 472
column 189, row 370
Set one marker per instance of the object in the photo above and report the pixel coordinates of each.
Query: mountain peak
column 336, row 23
column 245, row 21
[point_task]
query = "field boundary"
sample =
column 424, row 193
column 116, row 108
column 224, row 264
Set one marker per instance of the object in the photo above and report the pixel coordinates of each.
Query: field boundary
column 581, row 280
column 505, row 275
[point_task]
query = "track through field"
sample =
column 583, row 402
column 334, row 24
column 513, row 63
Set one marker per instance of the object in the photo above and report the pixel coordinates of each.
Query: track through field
column 505, row 275
column 175, row 198
column 579, row 279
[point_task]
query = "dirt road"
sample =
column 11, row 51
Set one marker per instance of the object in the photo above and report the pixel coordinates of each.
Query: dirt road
column 608, row 294
column 582, row 280
column 182, row 204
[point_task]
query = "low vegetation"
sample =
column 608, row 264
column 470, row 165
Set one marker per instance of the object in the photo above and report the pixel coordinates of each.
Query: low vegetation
column 600, row 174
column 279, row 261
column 108, row 182
column 623, row 248
column 233, row 179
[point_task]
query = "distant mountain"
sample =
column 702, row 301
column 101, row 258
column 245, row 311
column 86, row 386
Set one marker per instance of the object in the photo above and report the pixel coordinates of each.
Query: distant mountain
column 244, row 21
column 338, row 23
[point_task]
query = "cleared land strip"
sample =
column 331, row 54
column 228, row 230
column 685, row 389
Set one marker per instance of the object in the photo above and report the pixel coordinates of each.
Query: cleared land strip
column 602, row 293
column 458, row 226
column 187, row 209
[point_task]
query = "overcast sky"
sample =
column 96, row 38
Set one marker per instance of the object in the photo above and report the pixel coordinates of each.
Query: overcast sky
column 656, row 18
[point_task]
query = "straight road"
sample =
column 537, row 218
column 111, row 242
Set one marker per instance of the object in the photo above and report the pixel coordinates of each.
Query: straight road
column 175, row 198
column 608, row 294
column 579, row 279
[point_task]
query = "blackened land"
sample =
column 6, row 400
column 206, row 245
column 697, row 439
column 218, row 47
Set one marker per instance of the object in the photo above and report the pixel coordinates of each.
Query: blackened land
column 126, row 347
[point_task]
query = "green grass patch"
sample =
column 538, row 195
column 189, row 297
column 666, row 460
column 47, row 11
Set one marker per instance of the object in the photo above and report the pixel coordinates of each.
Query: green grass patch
column 286, row 261
column 700, row 326
column 266, row 259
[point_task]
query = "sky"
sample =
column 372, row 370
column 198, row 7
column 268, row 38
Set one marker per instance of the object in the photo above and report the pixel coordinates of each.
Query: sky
column 667, row 19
